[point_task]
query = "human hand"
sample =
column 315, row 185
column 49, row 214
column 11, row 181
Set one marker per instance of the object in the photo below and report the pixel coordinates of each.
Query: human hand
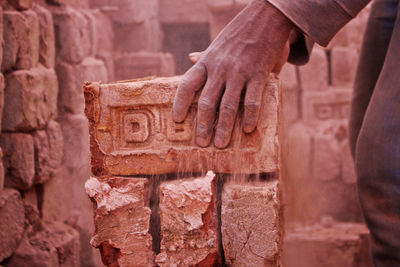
column 242, row 56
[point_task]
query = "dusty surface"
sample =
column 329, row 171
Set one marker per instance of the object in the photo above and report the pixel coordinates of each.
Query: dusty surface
column 132, row 132
column 251, row 226
column 189, row 223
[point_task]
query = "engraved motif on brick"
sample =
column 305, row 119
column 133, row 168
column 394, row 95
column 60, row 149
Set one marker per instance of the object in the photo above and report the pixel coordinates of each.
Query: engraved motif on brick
column 135, row 127
column 177, row 132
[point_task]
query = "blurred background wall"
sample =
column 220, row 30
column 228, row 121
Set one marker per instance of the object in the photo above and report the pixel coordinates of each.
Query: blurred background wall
column 50, row 47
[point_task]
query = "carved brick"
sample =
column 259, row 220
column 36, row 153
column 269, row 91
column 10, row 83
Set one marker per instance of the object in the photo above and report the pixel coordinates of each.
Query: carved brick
column 189, row 223
column 251, row 226
column 132, row 132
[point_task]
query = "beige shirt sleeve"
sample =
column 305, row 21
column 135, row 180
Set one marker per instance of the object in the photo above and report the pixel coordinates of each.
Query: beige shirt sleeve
column 320, row 19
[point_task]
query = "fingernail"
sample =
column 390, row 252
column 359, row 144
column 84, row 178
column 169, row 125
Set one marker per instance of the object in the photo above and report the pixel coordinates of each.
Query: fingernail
column 221, row 140
column 202, row 142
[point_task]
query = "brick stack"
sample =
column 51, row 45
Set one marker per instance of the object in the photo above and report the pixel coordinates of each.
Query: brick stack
column 178, row 216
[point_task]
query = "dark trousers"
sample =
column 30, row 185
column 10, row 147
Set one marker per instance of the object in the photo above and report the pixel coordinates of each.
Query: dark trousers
column 375, row 131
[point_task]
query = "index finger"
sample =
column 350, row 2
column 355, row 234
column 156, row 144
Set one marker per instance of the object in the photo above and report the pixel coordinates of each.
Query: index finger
column 192, row 81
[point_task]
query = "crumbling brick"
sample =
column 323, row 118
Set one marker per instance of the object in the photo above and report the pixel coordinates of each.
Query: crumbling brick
column 122, row 204
column 49, row 146
column 21, row 40
column 251, row 226
column 142, row 64
column 47, row 49
column 30, row 99
column 132, row 132
column 12, row 220
column 189, row 223
column 19, row 161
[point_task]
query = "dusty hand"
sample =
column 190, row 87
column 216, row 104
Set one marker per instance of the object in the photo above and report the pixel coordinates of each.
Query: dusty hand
column 242, row 56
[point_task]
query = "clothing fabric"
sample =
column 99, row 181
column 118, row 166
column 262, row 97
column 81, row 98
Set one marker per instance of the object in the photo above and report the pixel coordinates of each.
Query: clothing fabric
column 375, row 112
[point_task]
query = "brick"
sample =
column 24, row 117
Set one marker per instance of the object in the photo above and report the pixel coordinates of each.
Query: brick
column 142, row 64
column 71, row 79
column 21, row 40
column 18, row 158
column 30, row 99
column 2, row 86
column 72, row 34
column 290, row 94
column 344, row 63
column 183, row 12
column 72, row 3
column 1, row 170
column 347, row 164
column 334, row 244
column 251, row 227
column 75, row 135
column 11, row 222
column 149, row 142
column 314, row 75
column 189, row 223
column 135, row 11
column 1, row 34
column 49, row 144
column 104, row 34
column 122, row 205
column 333, row 104
column 31, row 197
column 21, row 4
column 47, row 49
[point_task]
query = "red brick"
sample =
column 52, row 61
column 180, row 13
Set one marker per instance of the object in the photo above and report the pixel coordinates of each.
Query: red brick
column 49, row 146
column 314, row 75
column 30, row 99
column 71, row 79
column 2, row 86
column 142, row 64
column 135, row 11
column 21, row 40
column 122, row 205
column 21, row 4
column 72, row 3
column 189, row 223
column 327, row 244
column 11, row 222
column 72, row 34
column 104, row 34
column 19, row 161
column 47, row 49
column 344, row 63
column 187, row 11
column 158, row 145
column 1, row 34
column 251, row 224
column 1, row 170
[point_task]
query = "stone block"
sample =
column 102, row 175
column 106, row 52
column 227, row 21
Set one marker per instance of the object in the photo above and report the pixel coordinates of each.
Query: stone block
column 12, row 220
column 333, row 104
column 21, row 40
column 30, row 99
column 344, row 62
column 143, row 64
column 49, row 144
column 327, row 244
column 72, row 34
column 75, row 135
column 149, row 33
column 19, row 160
column 71, row 79
column 132, row 132
column 122, row 220
column 189, row 223
column 21, row 4
column 251, row 224
column 47, row 48
column 183, row 12
column 314, row 75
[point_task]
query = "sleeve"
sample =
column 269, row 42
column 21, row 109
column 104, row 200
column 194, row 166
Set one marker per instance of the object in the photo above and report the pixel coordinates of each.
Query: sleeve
column 320, row 19
column 300, row 48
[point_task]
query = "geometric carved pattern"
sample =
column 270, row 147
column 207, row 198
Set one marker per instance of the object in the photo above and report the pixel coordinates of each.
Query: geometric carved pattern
column 136, row 127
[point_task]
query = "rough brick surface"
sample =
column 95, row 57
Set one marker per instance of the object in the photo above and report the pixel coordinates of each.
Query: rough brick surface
column 344, row 65
column 21, row 4
column 142, row 64
column 251, row 230
column 186, row 11
column 1, row 35
column 21, row 40
column 47, row 49
column 132, row 132
column 2, row 85
column 71, row 79
column 122, row 205
column 72, row 34
column 11, row 222
column 1, row 170
column 327, row 244
column 189, row 223
column 30, row 99
column 19, row 161
column 135, row 11
column 49, row 146
column 314, row 75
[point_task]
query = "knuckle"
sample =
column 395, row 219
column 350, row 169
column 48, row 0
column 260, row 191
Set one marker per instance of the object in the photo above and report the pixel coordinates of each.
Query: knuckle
column 253, row 105
column 227, row 108
column 205, row 104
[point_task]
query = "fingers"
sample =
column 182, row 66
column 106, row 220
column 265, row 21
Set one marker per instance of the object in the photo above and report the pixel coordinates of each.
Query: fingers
column 228, row 111
column 252, row 103
column 206, row 112
column 191, row 82
column 195, row 56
